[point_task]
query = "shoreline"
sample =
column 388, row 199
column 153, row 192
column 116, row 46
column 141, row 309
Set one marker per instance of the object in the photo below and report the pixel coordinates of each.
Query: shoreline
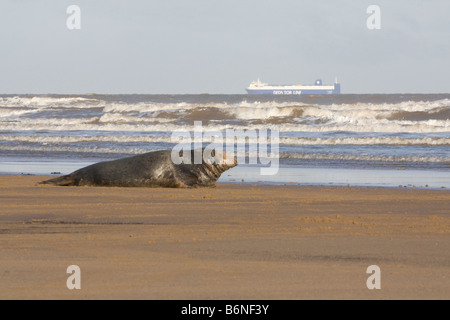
column 234, row 241
column 268, row 184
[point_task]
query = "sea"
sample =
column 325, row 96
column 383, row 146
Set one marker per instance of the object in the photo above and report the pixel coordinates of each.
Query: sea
column 365, row 140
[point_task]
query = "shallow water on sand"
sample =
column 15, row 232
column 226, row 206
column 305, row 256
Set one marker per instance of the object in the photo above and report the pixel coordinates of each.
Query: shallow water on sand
column 286, row 175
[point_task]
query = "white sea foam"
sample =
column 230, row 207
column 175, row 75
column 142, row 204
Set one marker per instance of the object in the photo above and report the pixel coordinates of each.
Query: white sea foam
column 73, row 150
column 6, row 113
column 435, row 141
column 147, row 107
column 49, row 102
column 283, row 155
column 432, row 141
column 82, row 139
column 117, row 118
column 353, row 157
column 163, row 125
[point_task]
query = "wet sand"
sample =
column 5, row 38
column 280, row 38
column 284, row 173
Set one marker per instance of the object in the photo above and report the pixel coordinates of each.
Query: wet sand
column 228, row 242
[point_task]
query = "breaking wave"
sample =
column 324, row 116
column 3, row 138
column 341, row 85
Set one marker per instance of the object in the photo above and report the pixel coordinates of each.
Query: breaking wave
column 352, row 157
column 283, row 155
column 32, row 113
column 431, row 141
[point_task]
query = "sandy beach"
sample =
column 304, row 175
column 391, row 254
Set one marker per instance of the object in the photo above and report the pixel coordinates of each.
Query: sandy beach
column 229, row 242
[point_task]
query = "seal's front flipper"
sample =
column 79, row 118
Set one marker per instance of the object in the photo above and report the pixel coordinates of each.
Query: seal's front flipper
column 63, row 181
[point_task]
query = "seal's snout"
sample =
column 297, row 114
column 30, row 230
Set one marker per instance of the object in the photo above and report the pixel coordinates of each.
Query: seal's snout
column 231, row 162
column 218, row 159
column 227, row 161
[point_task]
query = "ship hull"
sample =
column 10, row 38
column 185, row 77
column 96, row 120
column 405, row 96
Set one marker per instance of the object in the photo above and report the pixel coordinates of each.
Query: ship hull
column 292, row 92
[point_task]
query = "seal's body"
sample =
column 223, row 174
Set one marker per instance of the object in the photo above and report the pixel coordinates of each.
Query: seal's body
column 154, row 169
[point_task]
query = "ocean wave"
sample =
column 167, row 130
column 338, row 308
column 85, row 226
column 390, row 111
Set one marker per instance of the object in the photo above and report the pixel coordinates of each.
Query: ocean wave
column 7, row 113
column 118, row 118
column 146, row 107
column 398, row 141
column 267, row 110
column 435, row 114
column 121, row 106
column 31, row 113
column 136, row 124
column 49, row 102
column 299, row 141
column 283, row 155
column 93, row 125
column 72, row 150
column 353, row 157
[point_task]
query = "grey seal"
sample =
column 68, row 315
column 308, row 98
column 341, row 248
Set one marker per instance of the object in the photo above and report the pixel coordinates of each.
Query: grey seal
column 153, row 169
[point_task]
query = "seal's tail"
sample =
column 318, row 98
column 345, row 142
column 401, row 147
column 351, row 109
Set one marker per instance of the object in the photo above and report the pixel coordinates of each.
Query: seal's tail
column 60, row 181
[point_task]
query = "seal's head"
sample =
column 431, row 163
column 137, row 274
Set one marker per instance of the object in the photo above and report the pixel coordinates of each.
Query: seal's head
column 219, row 159
column 213, row 164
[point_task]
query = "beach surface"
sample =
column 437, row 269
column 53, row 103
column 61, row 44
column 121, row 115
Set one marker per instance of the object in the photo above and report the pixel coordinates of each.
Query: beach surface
column 229, row 242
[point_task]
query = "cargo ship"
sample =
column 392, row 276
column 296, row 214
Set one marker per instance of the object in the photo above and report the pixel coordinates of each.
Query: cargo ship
column 258, row 87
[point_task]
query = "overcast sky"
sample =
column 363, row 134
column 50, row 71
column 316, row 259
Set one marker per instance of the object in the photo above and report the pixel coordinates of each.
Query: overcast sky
column 212, row 46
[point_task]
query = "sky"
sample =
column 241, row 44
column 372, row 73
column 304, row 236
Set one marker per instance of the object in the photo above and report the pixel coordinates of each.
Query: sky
column 219, row 47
